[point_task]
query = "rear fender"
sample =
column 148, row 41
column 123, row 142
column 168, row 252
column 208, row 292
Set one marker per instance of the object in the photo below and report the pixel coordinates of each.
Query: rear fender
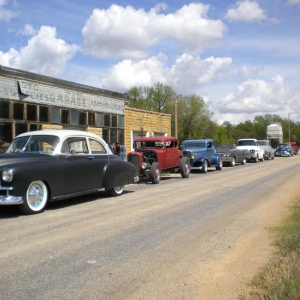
column 118, row 173
column 215, row 159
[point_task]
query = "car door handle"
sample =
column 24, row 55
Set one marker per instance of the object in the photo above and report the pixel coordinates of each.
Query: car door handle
column 91, row 157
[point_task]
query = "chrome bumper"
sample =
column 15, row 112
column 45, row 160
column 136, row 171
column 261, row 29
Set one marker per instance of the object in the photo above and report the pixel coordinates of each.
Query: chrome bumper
column 8, row 199
column 136, row 178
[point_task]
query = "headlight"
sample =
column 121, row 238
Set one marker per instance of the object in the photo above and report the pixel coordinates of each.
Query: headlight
column 252, row 151
column 193, row 156
column 7, row 175
column 144, row 165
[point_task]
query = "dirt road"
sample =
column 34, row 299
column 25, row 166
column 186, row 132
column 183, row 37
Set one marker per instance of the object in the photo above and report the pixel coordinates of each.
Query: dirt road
column 198, row 238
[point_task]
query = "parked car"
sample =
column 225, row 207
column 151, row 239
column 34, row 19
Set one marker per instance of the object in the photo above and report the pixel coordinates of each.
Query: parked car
column 295, row 148
column 268, row 149
column 252, row 145
column 231, row 155
column 284, row 149
column 153, row 156
column 202, row 154
column 45, row 166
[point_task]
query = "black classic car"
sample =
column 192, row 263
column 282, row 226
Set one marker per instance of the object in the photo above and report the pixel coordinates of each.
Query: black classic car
column 202, row 155
column 231, row 155
column 51, row 165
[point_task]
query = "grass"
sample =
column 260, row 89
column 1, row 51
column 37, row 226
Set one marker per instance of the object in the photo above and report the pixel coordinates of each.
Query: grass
column 280, row 278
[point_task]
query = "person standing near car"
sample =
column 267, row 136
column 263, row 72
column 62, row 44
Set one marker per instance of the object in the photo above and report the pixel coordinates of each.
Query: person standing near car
column 118, row 149
column 123, row 152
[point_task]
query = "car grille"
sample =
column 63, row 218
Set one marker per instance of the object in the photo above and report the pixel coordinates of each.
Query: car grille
column 187, row 154
column 134, row 159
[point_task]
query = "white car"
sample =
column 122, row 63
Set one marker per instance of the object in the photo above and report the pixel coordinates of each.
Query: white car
column 252, row 145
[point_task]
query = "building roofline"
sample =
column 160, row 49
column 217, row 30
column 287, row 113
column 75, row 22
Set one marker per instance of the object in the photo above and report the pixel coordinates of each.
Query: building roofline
column 26, row 75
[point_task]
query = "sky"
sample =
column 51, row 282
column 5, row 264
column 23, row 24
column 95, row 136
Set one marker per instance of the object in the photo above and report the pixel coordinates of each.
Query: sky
column 242, row 57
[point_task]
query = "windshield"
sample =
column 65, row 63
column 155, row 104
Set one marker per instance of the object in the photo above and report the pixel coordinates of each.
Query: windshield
column 263, row 143
column 34, row 144
column 221, row 148
column 149, row 144
column 246, row 143
column 194, row 145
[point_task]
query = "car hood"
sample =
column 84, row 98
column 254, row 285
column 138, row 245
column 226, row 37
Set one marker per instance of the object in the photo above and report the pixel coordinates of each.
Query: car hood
column 246, row 147
column 197, row 151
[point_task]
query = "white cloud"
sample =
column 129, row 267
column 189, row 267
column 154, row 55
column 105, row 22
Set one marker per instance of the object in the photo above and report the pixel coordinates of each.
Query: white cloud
column 255, row 97
column 6, row 14
column 187, row 75
column 293, row 2
column 125, row 32
column 28, row 30
column 246, row 11
column 44, row 54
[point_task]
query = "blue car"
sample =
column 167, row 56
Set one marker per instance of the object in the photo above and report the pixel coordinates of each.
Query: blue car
column 202, row 154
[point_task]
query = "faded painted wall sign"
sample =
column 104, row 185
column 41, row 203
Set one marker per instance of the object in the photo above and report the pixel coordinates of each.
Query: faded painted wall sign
column 49, row 95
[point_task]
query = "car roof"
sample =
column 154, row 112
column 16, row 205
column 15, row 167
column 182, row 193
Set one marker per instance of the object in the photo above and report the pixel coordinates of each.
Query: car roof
column 197, row 141
column 252, row 139
column 60, row 133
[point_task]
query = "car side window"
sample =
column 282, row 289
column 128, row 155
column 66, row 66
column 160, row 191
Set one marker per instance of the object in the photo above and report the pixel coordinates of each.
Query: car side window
column 96, row 147
column 75, row 145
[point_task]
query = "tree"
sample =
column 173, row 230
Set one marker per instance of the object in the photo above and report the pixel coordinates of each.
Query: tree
column 155, row 98
column 194, row 118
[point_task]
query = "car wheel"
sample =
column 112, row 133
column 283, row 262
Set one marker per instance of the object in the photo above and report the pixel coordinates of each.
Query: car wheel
column 116, row 191
column 185, row 167
column 262, row 159
column 220, row 166
column 232, row 163
column 204, row 167
column 36, row 198
column 244, row 161
column 256, row 159
column 155, row 173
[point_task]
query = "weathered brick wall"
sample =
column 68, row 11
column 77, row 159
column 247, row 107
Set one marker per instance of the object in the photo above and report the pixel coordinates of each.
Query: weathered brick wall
column 50, row 127
column 137, row 119
column 95, row 130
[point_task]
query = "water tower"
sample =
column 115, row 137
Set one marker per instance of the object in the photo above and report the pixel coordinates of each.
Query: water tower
column 274, row 131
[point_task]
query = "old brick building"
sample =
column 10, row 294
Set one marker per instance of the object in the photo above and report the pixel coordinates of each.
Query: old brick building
column 30, row 101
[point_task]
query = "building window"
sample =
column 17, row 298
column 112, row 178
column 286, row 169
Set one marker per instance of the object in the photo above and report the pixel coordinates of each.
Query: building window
column 6, row 132
column 121, row 122
column 107, row 120
column 82, row 118
column 99, row 120
column 33, row 127
column 44, row 114
column 121, row 136
column 105, row 135
column 55, row 116
column 65, row 116
column 113, row 135
column 114, row 121
column 74, row 120
column 31, row 112
column 20, row 128
column 4, row 109
column 18, row 111
column 92, row 120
